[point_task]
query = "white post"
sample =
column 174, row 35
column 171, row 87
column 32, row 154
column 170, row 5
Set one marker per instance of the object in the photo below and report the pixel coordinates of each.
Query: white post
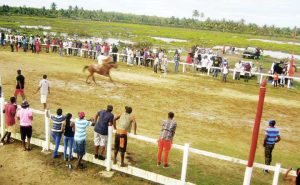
column 47, row 132
column 108, row 148
column 233, row 76
column 289, row 83
column 183, row 68
column 276, row 174
column 118, row 57
column 261, row 78
column 248, row 174
column 2, row 115
column 184, row 163
column 139, row 61
column 208, row 70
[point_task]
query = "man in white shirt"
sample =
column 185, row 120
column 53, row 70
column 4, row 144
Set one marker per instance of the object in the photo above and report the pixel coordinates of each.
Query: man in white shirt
column 237, row 69
column 44, row 86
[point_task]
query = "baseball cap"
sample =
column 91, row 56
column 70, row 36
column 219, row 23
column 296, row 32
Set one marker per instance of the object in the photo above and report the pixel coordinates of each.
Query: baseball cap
column 25, row 104
column 81, row 115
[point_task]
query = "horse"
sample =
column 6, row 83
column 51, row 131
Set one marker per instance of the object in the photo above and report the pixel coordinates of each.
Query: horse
column 103, row 69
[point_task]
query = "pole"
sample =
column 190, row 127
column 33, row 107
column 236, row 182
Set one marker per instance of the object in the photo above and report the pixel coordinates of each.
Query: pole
column 47, row 132
column 276, row 174
column 2, row 115
column 255, row 133
column 208, row 70
column 108, row 149
column 261, row 78
column 184, row 163
column 183, row 68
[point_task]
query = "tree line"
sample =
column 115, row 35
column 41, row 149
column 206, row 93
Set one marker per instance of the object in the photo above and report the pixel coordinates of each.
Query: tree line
column 193, row 23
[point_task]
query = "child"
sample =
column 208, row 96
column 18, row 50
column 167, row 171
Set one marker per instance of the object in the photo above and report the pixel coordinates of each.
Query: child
column 68, row 137
column 276, row 77
column 225, row 73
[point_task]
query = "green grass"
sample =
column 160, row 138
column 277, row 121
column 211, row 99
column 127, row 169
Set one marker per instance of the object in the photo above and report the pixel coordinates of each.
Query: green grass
column 211, row 115
column 142, row 33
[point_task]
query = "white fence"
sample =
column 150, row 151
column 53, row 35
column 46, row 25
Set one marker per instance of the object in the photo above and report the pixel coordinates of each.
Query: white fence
column 46, row 145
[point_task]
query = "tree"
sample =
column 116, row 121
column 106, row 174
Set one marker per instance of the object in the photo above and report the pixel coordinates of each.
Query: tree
column 202, row 15
column 53, row 6
column 195, row 14
column 70, row 8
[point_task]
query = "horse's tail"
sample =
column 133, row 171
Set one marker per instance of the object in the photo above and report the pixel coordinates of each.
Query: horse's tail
column 84, row 68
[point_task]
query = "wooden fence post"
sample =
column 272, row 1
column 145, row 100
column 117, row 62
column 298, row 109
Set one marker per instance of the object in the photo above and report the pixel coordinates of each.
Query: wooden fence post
column 184, row 163
column 47, row 132
column 108, row 148
column 276, row 174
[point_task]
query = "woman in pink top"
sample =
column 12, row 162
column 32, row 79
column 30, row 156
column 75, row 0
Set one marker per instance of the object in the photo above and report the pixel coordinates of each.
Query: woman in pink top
column 24, row 115
column 37, row 46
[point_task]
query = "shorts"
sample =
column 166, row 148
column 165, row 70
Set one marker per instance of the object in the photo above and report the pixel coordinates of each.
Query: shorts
column 79, row 147
column 43, row 98
column 11, row 128
column 19, row 91
column 100, row 140
column 26, row 131
column 121, row 142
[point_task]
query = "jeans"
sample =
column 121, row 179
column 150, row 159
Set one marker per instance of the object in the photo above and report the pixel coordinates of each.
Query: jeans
column 215, row 72
column 176, row 66
column 237, row 75
column 56, row 136
column 68, row 141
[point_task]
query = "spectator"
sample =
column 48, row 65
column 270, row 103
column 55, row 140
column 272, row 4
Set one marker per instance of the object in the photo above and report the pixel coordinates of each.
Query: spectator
column 276, row 78
column 189, row 60
column 165, row 65
column 124, row 53
column 10, row 113
column 115, row 50
column 61, row 47
column 247, row 71
column 80, row 136
column 237, row 69
column 291, row 179
column 156, row 62
column 68, row 129
column 37, row 46
column 165, row 140
column 12, row 43
column 54, row 45
column 272, row 136
column 25, row 117
column 20, row 85
column 44, row 86
column 259, row 70
column 176, row 60
column 216, row 64
column 126, row 122
column 225, row 73
column 56, row 131
column 2, row 38
column 103, row 119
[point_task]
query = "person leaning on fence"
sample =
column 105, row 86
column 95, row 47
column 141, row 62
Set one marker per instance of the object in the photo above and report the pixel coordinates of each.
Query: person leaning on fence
column 292, row 179
column 272, row 136
column 56, row 131
column 10, row 113
column 80, row 136
column 25, row 117
column 103, row 119
column 176, row 60
column 126, row 122
column 247, row 70
column 68, row 129
column 166, row 137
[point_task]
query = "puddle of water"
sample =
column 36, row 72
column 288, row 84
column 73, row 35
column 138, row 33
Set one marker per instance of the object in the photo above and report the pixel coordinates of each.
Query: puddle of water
column 108, row 40
column 36, row 27
column 275, row 41
column 273, row 54
column 168, row 40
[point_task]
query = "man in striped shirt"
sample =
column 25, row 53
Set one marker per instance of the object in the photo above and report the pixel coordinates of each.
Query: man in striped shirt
column 80, row 136
column 56, row 131
column 272, row 136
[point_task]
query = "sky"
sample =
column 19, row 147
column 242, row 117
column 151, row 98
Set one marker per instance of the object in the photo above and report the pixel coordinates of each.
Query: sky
column 281, row 13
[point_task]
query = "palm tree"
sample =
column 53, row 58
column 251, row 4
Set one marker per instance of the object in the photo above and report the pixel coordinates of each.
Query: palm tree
column 53, row 6
column 195, row 14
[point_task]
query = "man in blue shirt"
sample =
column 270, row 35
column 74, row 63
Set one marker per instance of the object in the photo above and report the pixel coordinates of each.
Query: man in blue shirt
column 103, row 119
column 272, row 136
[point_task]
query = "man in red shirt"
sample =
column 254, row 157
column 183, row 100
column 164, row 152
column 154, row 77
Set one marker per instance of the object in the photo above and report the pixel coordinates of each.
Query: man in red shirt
column 10, row 113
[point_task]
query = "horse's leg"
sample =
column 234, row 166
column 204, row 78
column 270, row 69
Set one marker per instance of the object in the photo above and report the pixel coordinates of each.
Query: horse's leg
column 94, row 79
column 87, row 78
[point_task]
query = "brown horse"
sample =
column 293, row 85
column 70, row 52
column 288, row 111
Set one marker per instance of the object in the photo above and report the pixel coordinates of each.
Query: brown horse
column 101, row 70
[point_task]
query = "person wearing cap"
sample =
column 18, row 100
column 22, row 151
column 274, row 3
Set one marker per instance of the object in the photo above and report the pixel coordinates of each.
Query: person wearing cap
column 80, row 136
column 44, row 86
column 127, row 119
column 103, row 119
column 20, row 85
column 292, row 179
column 25, row 117
column 272, row 136
column 166, row 138
column 10, row 113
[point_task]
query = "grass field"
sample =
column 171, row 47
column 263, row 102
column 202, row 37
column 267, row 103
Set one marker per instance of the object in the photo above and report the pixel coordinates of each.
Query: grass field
column 140, row 33
column 211, row 115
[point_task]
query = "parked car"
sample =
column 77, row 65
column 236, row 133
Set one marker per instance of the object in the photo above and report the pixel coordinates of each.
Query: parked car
column 252, row 52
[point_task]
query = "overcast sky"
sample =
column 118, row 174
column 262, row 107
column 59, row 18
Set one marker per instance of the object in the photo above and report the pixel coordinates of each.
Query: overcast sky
column 281, row 13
